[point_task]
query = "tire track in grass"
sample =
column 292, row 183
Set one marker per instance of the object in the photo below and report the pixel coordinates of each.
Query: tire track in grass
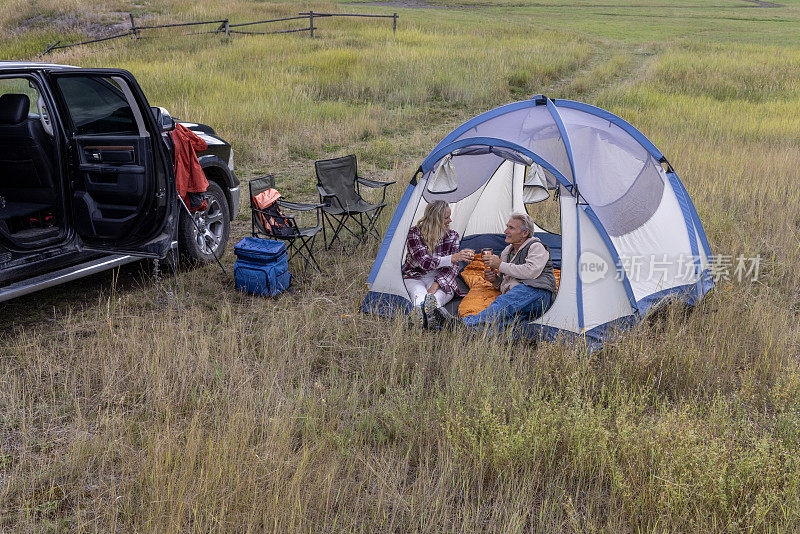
column 591, row 79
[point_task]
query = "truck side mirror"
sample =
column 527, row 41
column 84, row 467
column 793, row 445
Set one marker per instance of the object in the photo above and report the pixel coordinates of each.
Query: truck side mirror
column 163, row 119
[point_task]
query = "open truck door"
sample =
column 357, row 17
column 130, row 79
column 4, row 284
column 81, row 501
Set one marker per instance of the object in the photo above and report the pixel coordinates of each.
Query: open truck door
column 121, row 183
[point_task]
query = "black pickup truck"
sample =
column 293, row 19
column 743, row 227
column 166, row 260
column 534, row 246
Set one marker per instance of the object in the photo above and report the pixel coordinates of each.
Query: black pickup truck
column 87, row 180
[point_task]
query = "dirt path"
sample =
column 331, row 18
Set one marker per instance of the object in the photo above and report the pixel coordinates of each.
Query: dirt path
column 762, row 3
column 413, row 4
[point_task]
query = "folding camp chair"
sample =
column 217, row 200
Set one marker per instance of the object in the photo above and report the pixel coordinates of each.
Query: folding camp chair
column 299, row 240
column 339, row 186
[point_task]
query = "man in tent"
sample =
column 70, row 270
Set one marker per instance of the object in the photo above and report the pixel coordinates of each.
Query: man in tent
column 524, row 275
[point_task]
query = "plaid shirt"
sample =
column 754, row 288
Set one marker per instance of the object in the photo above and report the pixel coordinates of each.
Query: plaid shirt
column 420, row 261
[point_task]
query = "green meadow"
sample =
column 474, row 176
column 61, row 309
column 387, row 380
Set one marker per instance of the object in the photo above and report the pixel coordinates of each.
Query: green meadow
column 130, row 403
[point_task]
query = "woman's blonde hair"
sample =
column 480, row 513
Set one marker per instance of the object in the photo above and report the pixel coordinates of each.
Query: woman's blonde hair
column 431, row 225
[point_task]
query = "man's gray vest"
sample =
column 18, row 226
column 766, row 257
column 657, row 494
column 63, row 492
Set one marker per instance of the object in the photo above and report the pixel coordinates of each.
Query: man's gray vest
column 547, row 279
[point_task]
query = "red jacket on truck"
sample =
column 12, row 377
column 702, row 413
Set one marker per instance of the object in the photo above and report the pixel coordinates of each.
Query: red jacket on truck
column 189, row 175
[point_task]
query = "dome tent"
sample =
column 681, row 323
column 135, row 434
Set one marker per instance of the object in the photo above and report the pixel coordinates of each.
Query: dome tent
column 630, row 235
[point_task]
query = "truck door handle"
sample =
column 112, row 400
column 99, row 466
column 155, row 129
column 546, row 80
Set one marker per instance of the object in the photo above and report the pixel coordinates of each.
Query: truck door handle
column 110, row 154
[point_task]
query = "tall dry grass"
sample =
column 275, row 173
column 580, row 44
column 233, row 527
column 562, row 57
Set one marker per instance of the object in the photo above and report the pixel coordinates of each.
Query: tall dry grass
column 300, row 414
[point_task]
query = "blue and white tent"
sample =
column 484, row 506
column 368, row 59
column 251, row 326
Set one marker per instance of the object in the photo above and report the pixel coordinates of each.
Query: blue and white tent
column 630, row 235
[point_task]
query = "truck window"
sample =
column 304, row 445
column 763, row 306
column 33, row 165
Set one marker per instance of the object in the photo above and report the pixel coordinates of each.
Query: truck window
column 20, row 86
column 97, row 106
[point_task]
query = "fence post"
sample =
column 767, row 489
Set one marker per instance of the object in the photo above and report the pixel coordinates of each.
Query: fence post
column 50, row 48
column 394, row 24
column 311, row 23
column 227, row 28
column 134, row 31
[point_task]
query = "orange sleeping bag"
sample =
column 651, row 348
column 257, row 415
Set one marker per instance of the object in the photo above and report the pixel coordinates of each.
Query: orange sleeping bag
column 481, row 293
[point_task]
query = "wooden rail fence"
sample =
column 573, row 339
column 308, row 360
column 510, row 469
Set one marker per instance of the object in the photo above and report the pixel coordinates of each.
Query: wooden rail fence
column 225, row 26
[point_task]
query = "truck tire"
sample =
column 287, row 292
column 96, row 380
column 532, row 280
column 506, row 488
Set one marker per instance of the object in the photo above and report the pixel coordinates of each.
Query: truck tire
column 201, row 247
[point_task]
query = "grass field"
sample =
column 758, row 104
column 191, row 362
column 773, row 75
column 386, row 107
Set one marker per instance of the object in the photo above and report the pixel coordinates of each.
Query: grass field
column 133, row 405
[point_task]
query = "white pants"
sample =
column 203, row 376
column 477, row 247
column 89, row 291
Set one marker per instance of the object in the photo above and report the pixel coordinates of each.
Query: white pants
column 417, row 289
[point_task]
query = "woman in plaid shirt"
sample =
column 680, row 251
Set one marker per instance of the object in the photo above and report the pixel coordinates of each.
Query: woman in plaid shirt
column 430, row 272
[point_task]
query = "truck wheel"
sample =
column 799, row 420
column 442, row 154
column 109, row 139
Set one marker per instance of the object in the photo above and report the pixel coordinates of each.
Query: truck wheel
column 214, row 223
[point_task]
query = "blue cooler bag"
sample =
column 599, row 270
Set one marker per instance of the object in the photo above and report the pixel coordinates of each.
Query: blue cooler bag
column 262, row 266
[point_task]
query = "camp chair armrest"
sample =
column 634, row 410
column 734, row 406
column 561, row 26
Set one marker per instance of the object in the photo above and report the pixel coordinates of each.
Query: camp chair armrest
column 297, row 206
column 323, row 193
column 373, row 183
column 325, row 196
column 301, row 207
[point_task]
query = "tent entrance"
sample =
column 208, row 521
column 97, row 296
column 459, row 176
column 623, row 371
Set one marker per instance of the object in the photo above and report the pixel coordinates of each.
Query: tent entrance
column 484, row 185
